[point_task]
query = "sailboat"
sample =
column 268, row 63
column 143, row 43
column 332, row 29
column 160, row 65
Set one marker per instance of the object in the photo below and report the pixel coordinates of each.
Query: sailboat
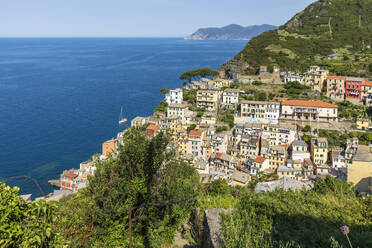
column 122, row 120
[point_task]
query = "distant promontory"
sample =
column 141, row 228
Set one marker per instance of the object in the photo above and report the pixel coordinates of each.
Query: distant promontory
column 230, row 32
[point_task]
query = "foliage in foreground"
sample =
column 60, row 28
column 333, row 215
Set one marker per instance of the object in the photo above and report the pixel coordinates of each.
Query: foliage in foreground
column 300, row 219
column 143, row 183
column 24, row 224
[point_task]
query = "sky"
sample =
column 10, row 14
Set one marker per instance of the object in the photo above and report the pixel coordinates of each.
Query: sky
column 137, row 18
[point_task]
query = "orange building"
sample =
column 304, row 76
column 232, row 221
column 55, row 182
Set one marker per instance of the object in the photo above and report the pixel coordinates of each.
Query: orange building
column 108, row 147
column 152, row 130
column 336, row 87
column 68, row 180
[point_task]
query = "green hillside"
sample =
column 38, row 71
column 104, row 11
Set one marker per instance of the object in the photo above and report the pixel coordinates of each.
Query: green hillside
column 323, row 28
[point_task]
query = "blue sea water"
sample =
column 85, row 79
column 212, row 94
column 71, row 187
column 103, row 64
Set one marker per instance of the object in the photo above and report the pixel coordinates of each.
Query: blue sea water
column 61, row 98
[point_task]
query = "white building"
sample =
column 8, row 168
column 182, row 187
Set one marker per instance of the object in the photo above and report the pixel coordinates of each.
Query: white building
column 309, row 111
column 178, row 109
column 258, row 112
column 290, row 76
column 300, row 150
column 279, row 134
column 174, row 96
column 230, row 97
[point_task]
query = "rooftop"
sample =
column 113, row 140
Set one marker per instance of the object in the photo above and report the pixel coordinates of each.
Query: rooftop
column 363, row 154
column 336, row 77
column 196, row 133
column 304, row 103
column 152, row 127
column 240, row 177
column 299, row 143
column 284, row 183
column 356, row 79
column 177, row 105
column 260, row 160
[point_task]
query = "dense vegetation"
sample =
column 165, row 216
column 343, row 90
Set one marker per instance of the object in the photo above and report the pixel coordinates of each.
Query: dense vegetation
column 162, row 107
column 197, row 74
column 300, row 219
column 142, row 191
column 25, row 224
column 323, row 28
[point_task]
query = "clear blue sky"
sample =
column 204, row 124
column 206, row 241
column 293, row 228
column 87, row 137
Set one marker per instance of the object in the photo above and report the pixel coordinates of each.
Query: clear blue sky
column 136, row 18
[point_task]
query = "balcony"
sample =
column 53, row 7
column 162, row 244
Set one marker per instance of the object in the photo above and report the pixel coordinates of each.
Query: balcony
column 307, row 110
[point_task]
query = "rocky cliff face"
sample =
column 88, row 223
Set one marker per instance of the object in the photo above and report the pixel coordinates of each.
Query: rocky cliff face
column 230, row 32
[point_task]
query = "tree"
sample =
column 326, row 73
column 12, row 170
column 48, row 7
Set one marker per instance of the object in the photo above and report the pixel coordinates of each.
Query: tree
column 257, row 83
column 162, row 107
column 143, row 184
column 191, row 127
column 306, row 129
column 25, row 224
column 198, row 73
column 164, row 90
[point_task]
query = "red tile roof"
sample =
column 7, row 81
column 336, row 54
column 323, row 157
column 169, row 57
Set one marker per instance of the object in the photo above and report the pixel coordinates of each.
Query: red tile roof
column 259, row 159
column 152, row 127
column 219, row 155
column 71, row 174
column 315, row 104
column 336, row 77
column 195, row 132
column 367, row 83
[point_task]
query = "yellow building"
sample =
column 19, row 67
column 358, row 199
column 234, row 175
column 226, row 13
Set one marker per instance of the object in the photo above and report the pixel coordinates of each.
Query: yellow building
column 219, row 83
column 360, row 171
column 362, row 124
column 319, row 151
column 316, row 78
column 108, row 147
column 277, row 157
column 207, row 99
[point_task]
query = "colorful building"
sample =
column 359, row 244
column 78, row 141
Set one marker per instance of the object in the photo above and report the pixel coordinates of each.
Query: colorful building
column 353, row 89
column 230, row 97
column 360, row 171
column 174, row 96
column 68, row 180
column 319, row 151
column 316, row 78
column 258, row 111
column 309, row 111
column 108, row 147
column 336, row 87
column 367, row 93
column 152, row 130
column 207, row 99
column 277, row 156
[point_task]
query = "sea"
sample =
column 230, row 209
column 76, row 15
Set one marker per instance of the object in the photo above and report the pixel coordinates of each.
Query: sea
column 60, row 98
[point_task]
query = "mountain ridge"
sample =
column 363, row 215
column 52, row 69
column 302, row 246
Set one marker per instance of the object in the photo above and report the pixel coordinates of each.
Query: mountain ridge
column 230, row 32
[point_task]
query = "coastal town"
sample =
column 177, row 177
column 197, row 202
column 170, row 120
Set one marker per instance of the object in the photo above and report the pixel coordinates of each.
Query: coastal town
column 224, row 132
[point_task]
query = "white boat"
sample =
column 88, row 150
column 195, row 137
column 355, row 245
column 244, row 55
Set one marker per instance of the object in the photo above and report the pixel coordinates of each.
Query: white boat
column 122, row 120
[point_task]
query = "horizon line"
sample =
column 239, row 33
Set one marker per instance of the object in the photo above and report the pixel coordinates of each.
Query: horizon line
column 86, row 37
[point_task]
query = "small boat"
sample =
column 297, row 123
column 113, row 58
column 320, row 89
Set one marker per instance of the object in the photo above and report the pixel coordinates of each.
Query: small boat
column 122, row 120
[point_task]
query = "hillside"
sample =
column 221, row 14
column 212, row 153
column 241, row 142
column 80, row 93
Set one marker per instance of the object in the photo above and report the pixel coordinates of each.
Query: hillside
column 325, row 27
column 230, row 32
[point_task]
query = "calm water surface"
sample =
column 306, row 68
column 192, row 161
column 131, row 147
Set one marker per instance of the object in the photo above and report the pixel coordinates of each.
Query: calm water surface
column 61, row 98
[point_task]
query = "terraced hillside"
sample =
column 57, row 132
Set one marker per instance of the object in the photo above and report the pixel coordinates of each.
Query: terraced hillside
column 323, row 28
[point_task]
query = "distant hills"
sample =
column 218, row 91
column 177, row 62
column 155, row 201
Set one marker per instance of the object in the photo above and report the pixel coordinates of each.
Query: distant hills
column 230, row 32
column 324, row 27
